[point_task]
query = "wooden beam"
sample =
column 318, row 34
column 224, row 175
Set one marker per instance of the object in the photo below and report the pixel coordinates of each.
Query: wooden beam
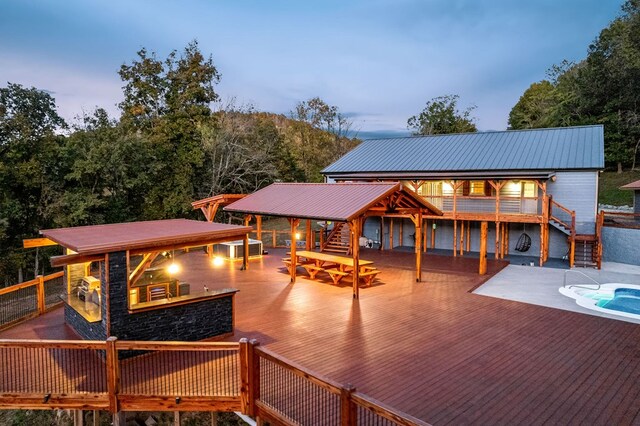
column 37, row 242
column 483, row 247
column 69, row 259
column 461, row 237
column 468, row 236
column 391, row 234
column 381, row 233
column 144, row 264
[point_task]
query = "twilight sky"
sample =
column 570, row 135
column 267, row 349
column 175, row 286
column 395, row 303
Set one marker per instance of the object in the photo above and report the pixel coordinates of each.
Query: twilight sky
column 377, row 60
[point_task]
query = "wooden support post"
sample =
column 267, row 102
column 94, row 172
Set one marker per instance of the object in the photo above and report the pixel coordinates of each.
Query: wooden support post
column 497, row 250
column 119, row 419
column 355, row 243
column 259, row 227
column 546, row 244
column 455, row 238
column 294, row 242
column 425, row 227
column 400, row 233
column 42, row 306
column 484, row 228
column 417, row 220
column 461, row 237
column 244, row 374
column 96, row 418
column 542, row 239
column 309, row 242
column 468, row 236
column 391, row 234
column 507, row 225
column 348, row 410
column 274, row 238
column 572, row 251
column 113, row 375
column 176, row 418
column 245, row 246
column 78, row 418
column 214, row 418
column 433, row 234
column 254, row 377
column 381, row 233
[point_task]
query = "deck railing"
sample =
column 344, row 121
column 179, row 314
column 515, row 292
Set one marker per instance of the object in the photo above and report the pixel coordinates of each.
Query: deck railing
column 30, row 298
column 180, row 376
column 620, row 220
column 286, row 393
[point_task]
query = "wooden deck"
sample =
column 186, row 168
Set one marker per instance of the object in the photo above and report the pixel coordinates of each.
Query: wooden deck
column 430, row 349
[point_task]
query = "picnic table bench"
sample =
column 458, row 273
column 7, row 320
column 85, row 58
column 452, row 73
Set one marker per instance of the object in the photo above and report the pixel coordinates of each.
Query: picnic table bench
column 336, row 266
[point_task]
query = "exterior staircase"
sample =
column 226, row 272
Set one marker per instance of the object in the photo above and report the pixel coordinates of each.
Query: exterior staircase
column 584, row 249
column 339, row 240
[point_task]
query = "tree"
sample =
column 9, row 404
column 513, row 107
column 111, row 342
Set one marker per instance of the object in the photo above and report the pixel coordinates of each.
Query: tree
column 28, row 169
column 441, row 116
column 602, row 88
column 535, row 107
column 320, row 134
column 165, row 104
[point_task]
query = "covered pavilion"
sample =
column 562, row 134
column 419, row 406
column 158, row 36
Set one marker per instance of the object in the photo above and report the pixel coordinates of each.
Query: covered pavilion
column 351, row 203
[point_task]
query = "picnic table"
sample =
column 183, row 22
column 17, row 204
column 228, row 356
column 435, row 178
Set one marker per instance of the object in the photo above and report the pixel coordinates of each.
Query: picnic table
column 336, row 266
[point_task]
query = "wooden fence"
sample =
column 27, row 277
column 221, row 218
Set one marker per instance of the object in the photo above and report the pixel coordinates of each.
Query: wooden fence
column 30, row 298
column 180, row 376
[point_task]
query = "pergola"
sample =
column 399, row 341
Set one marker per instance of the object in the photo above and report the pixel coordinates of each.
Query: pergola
column 351, row 203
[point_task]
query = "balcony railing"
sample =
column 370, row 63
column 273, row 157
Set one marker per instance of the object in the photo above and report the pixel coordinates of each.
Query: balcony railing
column 483, row 204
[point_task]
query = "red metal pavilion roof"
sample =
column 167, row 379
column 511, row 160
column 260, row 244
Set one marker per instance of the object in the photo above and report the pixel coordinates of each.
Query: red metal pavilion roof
column 340, row 202
column 98, row 239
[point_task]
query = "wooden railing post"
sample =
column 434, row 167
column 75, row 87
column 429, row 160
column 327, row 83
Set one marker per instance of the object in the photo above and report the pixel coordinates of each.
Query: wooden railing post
column 113, row 374
column 41, row 298
column 254, row 377
column 245, row 354
column 348, row 412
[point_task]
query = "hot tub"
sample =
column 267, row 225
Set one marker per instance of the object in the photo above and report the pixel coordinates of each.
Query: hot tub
column 612, row 298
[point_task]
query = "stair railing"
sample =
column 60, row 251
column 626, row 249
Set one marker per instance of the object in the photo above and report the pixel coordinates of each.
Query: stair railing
column 337, row 228
column 559, row 213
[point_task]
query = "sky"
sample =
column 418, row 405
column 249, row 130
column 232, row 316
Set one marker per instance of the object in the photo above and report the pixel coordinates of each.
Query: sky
column 378, row 61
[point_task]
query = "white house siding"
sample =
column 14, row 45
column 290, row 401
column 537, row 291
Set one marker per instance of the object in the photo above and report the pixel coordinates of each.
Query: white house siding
column 578, row 191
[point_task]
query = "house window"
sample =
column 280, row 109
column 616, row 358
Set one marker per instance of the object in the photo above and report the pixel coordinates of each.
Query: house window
column 477, row 187
column 529, row 189
column 430, row 189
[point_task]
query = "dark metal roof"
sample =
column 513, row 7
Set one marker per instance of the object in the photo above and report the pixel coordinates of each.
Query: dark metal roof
column 565, row 148
column 633, row 186
column 339, row 202
column 99, row 239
